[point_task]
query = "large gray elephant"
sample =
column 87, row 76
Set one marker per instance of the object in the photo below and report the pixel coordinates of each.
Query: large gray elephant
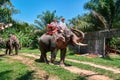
column 54, row 42
column 12, row 43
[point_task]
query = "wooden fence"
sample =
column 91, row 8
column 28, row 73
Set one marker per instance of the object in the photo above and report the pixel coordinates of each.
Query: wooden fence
column 96, row 40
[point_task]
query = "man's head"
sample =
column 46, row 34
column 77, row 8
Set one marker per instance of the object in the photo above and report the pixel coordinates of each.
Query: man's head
column 55, row 20
column 62, row 19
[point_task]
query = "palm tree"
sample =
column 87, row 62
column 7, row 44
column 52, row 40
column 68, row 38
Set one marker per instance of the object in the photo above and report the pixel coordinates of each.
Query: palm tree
column 6, row 11
column 107, row 12
column 81, row 22
column 2, row 2
column 44, row 19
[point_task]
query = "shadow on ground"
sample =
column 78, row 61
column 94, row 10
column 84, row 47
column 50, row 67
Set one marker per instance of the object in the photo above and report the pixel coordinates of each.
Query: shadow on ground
column 27, row 76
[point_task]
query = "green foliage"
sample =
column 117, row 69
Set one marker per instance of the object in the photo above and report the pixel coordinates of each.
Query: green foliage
column 108, row 9
column 82, row 22
column 115, row 42
column 23, row 31
column 6, row 11
column 2, row 2
column 45, row 18
column 104, row 14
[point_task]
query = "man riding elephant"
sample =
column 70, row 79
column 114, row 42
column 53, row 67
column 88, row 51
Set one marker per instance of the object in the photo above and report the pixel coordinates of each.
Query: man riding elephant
column 12, row 43
column 52, row 43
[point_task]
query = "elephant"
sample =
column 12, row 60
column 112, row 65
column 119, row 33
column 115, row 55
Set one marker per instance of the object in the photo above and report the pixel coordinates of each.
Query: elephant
column 55, row 42
column 12, row 43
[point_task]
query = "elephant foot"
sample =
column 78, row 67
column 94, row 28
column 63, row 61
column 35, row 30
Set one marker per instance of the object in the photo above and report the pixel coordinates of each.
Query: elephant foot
column 41, row 60
column 47, row 62
column 10, row 55
column 52, row 60
column 16, row 54
column 62, row 64
column 51, row 63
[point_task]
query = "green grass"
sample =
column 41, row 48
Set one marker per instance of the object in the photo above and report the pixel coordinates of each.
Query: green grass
column 58, row 71
column 28, row 50
column 13, row 70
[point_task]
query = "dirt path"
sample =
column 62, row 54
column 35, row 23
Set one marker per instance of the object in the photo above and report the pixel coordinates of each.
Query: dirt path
column 38, row 74
column 114, row 70
column 86, row 73
column 90, row 75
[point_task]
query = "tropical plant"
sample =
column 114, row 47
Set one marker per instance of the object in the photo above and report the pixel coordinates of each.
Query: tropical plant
column 105, row 15
column 44, row 19
column 6, row 11
column 2, row 2
column 82, row 22
column 105, row 12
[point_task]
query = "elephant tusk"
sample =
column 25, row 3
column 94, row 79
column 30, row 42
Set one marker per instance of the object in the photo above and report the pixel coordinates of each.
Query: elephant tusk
column 81, row 44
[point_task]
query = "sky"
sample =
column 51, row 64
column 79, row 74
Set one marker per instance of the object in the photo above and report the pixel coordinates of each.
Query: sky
column 29, row 9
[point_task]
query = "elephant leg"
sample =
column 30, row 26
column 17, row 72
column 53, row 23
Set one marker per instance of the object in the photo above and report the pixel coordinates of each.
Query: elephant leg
column 10, row 51
column 43, row 57
column 10, row 47
column 7, row 47
column 53, row 55
column 16, row 49
column 6, row 51
column 62, row 56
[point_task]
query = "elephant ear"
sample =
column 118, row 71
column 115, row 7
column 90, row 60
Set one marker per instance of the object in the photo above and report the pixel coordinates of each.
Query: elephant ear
column 61, row 43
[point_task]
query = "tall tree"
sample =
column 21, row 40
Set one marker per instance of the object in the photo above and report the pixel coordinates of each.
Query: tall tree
column 2, row 2
column 82, row 22
column 105, row 11
column 45, row 18
column 6, row 11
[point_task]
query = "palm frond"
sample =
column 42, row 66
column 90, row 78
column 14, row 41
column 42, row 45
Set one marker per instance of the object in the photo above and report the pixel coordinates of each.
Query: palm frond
column 100, row 18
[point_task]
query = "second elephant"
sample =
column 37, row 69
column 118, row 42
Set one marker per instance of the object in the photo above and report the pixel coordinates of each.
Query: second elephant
column 12, row 43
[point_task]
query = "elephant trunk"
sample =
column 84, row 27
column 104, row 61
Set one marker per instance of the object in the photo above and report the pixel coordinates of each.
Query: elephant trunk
column 78, row 36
